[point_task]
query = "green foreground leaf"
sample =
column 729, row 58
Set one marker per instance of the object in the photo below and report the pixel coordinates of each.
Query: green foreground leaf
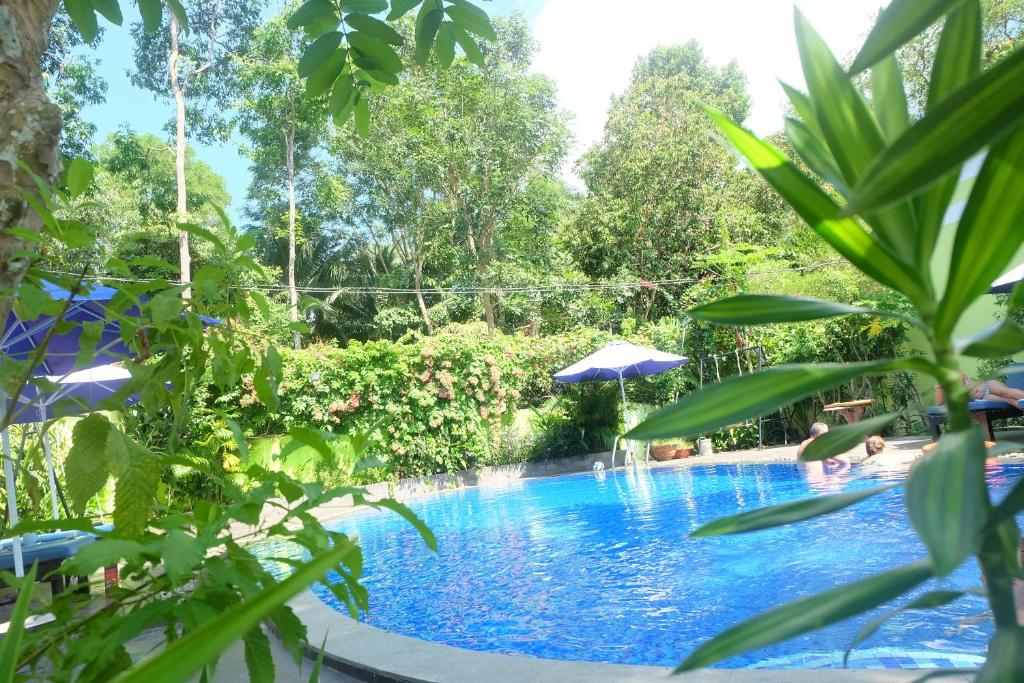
column 898, row 23
column 808, row 614
column 760, row 309
column 928, row 600
column 11, row 644
column 841, row 439
column 185, row 656
column 786, row 513
column 746, row 396
column 946, row 498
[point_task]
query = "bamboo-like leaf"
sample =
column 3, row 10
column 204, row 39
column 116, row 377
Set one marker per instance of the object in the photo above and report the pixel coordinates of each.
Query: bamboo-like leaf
column 1016, row 301
column 408, row 515
column 808, row 614
column 151, row 12
column 314, row 675
column 957, row 60
column 929, row 600
column 83, row 17
column 989, row 232
column 845, row 235
column 186, row 655
column 1008, row 506
column 842, row 439
column 1000, row 340
column 803, row 106
column 814, row 152
column 898, row 23
column 786, row 513
column 741, row 397
column 760, row 309
column 974, row 117
column 10, row 646
column 889, row 98
column 946, row 498
column 1005, row 658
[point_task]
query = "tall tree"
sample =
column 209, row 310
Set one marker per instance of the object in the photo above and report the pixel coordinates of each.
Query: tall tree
column 286, row 130
column 194, row 62
column 661, row 189
column 453, row 153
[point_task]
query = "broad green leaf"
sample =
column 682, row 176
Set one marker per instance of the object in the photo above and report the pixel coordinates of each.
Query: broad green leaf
column 427, row 22
column 313, row 438
column 104, row 552
column 151, row 11
column 10, row 646
column 760, row 309
column 318, row 52
column 30, row 301
column 111, row 9
column 849, row 128
column 1000, row 340
column 897, row 24
column 326, row 74
column 957, row 60
column 745, row 396
column 182, row 552
column 238, row 434
column 186, row 655
column 803, row 106
column 445, row 45
column 468, row 45
column 409, row 516
column 1004, row 660
column 87, row 467
column 845, row 235
column 928, row 600
column 473, row 19
column 946, row 498
column 399, row 8
column 975, row 116
column 382, row 54
column 341, row 99
column 989, row 232
column 137, row 472
column 83, row 17
column 258, row 660
column 889, row 98
column 363, row 6
column 204, row 234
column 786, row 513
column 841, row 439
column 79, row 176
column 362, row 116
column 374, row 27
column 177, row 10
column 312, row 11
column 814, row 152
column 808, row 614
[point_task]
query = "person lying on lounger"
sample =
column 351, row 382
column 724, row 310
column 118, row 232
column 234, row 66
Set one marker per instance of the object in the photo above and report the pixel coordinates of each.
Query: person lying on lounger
column 988, row 390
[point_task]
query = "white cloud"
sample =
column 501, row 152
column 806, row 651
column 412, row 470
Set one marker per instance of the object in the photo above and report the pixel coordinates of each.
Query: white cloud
column 589, row 47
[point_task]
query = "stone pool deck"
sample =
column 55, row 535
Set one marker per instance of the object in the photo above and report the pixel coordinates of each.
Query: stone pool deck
column 358, row 652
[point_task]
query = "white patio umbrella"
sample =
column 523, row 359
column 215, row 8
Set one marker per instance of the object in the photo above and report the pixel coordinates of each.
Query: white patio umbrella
column 1007, row 282
column 620, row 360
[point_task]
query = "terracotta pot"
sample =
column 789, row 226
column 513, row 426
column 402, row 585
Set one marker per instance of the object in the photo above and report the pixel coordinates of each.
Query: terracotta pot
column 683, row 453
column 662, row 453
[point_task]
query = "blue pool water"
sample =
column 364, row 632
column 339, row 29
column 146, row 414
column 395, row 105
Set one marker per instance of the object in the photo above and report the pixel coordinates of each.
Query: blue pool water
column 595, row 568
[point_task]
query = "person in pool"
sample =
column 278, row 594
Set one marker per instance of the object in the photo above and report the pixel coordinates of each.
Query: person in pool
column 878, row 456
column 816, row 430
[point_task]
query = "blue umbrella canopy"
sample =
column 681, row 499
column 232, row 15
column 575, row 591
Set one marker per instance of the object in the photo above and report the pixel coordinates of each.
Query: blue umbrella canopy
column 73, row 394
column 620, row 360
column 1006, row 283
column 21, row 338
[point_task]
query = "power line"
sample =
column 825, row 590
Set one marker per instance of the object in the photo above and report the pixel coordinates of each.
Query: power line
column 474, row 290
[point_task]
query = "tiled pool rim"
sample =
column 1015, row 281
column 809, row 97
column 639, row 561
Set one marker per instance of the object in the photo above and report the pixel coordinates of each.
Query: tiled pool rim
column 367, row 653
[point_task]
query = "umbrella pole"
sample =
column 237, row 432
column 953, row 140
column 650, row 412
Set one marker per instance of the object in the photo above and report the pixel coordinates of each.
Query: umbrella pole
column 45, row 437
column 625, row 417
column 12, row 499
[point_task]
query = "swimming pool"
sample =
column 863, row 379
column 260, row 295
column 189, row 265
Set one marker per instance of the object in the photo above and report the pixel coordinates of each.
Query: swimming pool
column 602, row 568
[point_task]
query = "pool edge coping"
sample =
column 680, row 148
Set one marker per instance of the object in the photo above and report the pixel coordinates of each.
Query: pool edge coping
column 368, row 653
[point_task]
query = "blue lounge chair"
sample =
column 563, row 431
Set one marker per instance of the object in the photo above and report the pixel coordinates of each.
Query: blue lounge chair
column 983, row 411
column 49, row 551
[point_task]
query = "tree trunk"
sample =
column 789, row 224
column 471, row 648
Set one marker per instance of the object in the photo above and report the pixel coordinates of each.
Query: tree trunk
column 483, row 260
column 29, row 131
column 179, row 156
column 418, row 284
column 293, row 293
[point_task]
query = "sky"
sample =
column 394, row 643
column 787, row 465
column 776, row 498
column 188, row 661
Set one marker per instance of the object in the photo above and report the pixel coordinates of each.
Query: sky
column 587, row 46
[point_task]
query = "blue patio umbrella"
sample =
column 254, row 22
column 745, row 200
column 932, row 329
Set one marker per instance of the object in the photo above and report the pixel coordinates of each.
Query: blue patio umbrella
column 620, row 360
column 1007, row 282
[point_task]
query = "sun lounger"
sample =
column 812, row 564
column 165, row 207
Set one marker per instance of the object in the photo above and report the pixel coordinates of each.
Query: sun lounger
column 985, row 412
column 49, row 551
